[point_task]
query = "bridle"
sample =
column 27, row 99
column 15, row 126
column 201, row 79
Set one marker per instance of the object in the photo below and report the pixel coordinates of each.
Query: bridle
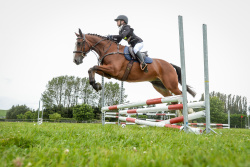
column 83, row 43
column 84, row 52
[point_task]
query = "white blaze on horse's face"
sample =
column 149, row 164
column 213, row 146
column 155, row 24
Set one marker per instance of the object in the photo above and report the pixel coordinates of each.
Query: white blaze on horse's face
column 74, row 54
column 77, row 57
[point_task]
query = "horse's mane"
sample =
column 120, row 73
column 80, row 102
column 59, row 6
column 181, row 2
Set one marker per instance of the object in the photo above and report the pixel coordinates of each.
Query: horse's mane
column 103, row 37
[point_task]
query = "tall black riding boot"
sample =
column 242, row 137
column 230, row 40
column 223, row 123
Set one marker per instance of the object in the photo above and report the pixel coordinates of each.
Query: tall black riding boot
column 143, row 65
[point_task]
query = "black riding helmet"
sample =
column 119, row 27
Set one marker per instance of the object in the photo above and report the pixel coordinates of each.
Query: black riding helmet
column 122, row 17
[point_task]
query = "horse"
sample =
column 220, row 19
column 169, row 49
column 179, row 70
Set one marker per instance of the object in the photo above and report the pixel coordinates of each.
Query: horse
column 162, row 75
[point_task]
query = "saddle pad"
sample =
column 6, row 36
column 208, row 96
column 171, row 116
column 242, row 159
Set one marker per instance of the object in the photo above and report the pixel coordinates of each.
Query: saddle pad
column 127, row 55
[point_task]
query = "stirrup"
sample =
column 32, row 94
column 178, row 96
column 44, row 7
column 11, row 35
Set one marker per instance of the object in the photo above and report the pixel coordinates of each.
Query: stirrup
column 143, row 68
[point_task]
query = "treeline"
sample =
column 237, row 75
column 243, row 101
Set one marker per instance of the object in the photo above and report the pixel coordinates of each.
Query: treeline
column 236, row 104
column 221, row 103
column 64, row 94
column 67, row 91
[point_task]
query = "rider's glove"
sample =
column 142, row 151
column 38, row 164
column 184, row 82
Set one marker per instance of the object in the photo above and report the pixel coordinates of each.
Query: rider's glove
column 109, row 37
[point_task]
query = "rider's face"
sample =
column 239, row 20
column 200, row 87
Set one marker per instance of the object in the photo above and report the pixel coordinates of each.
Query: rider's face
column 119, row 22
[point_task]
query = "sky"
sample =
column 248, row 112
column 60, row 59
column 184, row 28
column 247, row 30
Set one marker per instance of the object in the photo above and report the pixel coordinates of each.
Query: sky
column 37, row 40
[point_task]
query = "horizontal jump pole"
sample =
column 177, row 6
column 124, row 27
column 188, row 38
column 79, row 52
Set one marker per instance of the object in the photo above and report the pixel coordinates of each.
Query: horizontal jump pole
column 157, row 114
column 204, row 124
column 126, row 123
column 192, row 116
column 116, row 113
column 111, row 116
column 146, row 102
column 112, row 113
column 169, row 121
column 163, row 108
column 220, row 127
column 159, row 124
column 152, row 120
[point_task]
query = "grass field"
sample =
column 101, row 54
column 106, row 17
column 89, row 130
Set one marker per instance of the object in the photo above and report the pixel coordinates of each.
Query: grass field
column 61, row 144
column 3, row 113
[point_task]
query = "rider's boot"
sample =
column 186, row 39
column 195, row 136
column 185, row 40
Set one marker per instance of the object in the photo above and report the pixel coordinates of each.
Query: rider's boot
column 143, row 65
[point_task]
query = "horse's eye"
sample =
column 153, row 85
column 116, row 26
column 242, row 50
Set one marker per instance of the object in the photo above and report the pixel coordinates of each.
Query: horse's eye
column 78, row 43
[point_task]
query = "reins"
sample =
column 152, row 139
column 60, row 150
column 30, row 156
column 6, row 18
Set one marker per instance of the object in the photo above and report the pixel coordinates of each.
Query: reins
column 100, row 59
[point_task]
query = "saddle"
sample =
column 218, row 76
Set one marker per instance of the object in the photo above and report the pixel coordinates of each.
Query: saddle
column 144, row 54
column 130, row 55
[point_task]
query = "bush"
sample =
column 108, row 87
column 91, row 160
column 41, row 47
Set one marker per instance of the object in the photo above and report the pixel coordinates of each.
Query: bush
column 55, row 116
column 83, row 112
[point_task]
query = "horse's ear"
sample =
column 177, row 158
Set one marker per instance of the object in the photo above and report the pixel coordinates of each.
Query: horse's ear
column 80, row 32
column 77, row 34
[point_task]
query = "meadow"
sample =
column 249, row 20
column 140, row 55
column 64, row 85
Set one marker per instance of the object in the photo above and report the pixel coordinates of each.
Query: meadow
column 64, row 144
column 3, row 113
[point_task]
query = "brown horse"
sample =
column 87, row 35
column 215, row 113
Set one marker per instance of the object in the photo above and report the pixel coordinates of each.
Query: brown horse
column 163, row 75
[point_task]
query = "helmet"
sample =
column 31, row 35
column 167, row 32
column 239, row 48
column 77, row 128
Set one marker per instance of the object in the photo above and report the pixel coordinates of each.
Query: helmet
column 122, row 17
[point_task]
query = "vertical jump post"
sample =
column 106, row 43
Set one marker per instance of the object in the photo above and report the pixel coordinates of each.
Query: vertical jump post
column 121, row 100
column 206, row 80
column 103, row 114
column 183, row 73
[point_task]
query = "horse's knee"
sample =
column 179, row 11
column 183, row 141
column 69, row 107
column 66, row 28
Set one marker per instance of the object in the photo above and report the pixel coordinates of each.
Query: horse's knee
column 90, row 70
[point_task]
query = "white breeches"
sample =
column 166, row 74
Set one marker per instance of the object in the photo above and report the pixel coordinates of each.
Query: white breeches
column 138, row 47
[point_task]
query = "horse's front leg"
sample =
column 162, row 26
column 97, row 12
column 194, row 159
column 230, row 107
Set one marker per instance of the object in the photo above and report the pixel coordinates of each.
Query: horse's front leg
column 106, row 70
column 96, row 86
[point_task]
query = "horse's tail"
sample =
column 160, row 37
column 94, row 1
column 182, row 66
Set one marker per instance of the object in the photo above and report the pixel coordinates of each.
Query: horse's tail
column 178, row 71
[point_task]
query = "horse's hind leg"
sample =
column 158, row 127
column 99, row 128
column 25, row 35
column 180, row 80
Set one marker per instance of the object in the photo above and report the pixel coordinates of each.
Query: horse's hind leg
column 159, row 87
column 171, row 83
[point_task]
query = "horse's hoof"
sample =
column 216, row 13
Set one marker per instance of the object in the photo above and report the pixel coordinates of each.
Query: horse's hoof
column 99, row 86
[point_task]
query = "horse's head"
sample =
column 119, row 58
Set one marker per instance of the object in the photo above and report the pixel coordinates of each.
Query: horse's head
column 82, row 47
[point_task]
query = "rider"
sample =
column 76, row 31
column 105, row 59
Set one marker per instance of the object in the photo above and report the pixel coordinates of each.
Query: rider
column 127, row 33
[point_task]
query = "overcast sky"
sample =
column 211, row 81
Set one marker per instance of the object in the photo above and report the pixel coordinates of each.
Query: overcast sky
column 37, row 39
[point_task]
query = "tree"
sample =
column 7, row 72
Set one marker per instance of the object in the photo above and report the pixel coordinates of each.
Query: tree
column 55, row 116
column 66, row 91
column 28, row 115
column 20, row 116
column 83, row 112
column 16, row 110
column 216, row 110
column 112, row 94
column 88, row 94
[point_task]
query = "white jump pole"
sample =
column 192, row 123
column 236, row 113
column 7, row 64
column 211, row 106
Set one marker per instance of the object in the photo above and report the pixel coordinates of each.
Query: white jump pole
column 103, row 113
column 183, row 73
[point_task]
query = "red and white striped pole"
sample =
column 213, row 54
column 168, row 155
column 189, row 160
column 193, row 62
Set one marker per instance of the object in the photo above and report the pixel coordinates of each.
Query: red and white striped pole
column 146, row 102
column 159, row 124
column 163, row 108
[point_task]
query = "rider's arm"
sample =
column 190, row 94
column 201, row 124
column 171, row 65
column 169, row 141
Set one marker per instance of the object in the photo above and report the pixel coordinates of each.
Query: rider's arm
column 122, row 35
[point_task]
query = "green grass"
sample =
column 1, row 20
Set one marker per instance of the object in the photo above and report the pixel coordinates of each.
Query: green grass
column 59, row 144
column 3, row 113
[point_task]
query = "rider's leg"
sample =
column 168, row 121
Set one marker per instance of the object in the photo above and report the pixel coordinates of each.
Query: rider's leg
column 137, row 52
